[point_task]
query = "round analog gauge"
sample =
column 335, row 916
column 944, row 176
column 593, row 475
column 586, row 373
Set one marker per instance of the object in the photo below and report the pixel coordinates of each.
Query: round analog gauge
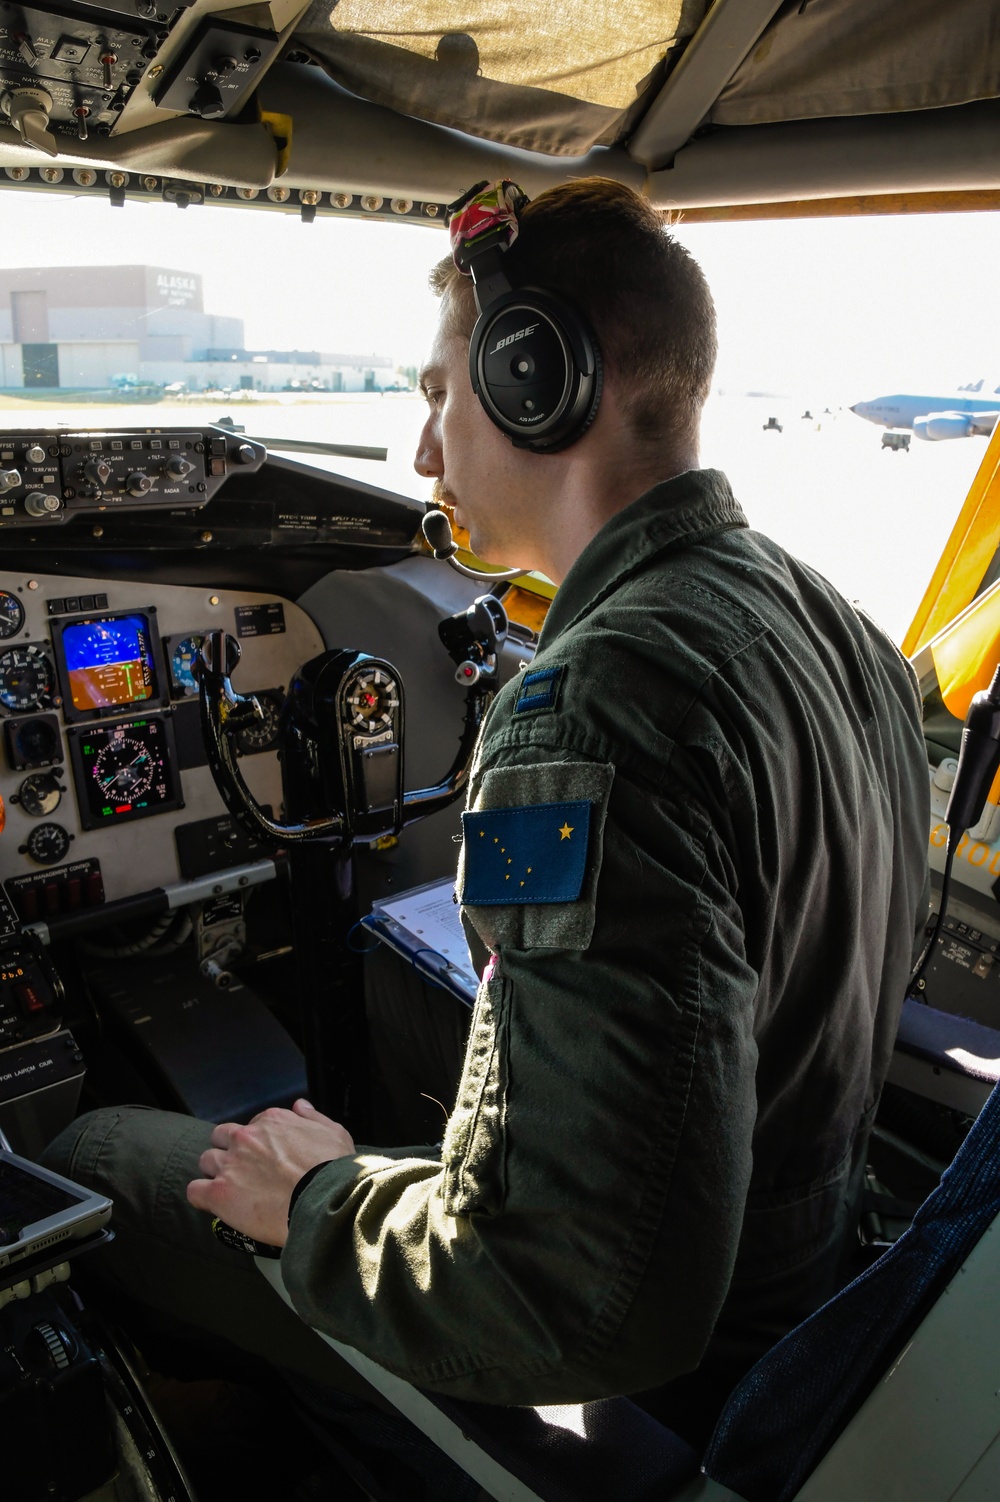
column 40, row 795
column 182, row 662
column 11, row 615
column 47, row 844
column 124, row 769
column 260, row 735
column 25, row 678
column 371, row 698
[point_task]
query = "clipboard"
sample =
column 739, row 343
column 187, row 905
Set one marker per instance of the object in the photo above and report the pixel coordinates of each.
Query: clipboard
column 424, row 927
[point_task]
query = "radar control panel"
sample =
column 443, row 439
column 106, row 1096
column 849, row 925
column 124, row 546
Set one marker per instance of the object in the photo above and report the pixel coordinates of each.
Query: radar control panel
column 50, row 477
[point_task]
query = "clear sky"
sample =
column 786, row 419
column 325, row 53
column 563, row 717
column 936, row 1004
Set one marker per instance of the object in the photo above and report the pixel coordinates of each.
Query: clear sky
column 841, row 309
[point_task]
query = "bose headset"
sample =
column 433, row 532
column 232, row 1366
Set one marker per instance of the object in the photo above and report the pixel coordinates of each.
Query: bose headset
column 533, row 358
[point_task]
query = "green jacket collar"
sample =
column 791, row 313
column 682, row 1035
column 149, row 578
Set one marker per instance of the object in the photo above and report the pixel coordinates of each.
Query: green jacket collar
column 674, row 514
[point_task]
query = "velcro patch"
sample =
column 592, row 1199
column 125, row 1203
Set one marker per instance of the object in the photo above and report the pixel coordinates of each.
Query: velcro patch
column 526, row 855
column 538, row 690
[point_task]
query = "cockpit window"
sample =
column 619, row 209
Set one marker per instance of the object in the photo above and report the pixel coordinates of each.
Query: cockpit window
column 851, row 405
column 147, row 314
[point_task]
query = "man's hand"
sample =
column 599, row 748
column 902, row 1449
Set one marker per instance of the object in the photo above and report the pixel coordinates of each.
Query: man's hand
column 250, row 1171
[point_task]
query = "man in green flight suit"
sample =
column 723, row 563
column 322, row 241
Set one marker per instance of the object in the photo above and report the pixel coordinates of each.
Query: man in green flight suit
column 694, row 862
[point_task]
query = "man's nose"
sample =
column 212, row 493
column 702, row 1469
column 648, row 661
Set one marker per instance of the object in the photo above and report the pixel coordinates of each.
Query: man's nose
column 427, row 459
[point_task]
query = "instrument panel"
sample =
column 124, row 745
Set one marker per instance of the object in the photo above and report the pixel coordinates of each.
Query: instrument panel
column 106, row 792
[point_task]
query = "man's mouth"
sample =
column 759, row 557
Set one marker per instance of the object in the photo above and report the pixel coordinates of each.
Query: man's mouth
column 442, row 496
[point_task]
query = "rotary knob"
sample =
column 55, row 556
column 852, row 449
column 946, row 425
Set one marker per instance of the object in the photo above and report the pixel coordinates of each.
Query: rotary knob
column 97, row 471
column 138, row 484
column 37, row 503
column 178, row 467
column 9, row 479
column 50, row 1347
column 35, row 454
column 208, row 102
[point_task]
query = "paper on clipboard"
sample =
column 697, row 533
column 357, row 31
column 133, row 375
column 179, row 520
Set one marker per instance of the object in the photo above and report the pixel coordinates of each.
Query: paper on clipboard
column 429, row 917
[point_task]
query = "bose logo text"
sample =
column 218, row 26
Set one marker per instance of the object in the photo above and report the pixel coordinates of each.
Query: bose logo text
column 512, row 338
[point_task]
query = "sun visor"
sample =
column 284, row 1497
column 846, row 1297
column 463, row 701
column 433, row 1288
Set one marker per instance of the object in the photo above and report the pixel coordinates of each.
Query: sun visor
column 850, row 57
column 509, row 71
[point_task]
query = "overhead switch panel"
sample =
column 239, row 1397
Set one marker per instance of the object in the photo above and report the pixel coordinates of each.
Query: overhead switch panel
column 214, row 74
column 68, row 70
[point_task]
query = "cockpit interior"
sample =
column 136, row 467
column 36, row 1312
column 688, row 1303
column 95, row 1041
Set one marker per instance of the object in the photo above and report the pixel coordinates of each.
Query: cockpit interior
column 240, row 693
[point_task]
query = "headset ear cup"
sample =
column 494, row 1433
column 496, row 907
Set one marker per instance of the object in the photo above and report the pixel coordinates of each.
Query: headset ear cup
column 536, row 367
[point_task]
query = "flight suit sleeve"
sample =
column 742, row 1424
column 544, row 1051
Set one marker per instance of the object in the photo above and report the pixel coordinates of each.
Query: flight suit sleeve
column 577, row 1236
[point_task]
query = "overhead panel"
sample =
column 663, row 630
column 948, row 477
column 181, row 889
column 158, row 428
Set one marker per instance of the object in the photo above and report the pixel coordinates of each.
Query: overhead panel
column 543, row 75
column 850, row 57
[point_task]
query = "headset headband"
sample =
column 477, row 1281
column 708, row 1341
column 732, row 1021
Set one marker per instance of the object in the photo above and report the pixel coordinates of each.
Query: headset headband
column 483, row 224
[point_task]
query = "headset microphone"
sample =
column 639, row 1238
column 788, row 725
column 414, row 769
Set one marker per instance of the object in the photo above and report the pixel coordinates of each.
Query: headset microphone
column 437, row 533
column 533, row 359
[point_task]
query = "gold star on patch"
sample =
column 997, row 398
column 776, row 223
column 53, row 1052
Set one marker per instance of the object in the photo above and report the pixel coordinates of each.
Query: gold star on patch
column 566, row 831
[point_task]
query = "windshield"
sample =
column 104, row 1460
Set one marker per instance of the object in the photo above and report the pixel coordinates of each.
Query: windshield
column 145, row 314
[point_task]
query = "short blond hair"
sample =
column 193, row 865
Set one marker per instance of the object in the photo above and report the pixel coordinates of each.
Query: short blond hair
column 604, row 248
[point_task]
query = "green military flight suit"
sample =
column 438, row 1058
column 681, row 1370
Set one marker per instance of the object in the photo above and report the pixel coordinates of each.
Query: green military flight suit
column 694, row 859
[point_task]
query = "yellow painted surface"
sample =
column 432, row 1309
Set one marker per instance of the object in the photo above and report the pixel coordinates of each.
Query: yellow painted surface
column 967, row 201
column 967, row 652
column 966, row 557
column 526, row 607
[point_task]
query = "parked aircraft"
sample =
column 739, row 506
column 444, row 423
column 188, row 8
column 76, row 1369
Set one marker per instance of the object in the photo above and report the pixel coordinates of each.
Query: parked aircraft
column 934, row 417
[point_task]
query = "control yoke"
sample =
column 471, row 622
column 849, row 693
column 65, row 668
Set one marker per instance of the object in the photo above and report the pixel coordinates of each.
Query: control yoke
column 341, row 734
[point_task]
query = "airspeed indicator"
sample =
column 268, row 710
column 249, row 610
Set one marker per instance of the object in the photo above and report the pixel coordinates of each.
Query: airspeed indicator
column 26, row 678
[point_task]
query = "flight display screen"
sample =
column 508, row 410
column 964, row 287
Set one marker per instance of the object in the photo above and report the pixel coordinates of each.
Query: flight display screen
column 108, row 662
column 124, row 771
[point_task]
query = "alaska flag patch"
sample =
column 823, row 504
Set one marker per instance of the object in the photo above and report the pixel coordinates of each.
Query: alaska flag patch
column 520, row 855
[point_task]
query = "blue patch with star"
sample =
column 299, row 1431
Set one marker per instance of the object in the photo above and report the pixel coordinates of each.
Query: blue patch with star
column 533, row 854
column 538, row 690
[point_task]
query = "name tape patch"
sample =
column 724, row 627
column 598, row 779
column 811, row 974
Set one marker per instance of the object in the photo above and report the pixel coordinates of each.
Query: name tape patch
column 532, row 854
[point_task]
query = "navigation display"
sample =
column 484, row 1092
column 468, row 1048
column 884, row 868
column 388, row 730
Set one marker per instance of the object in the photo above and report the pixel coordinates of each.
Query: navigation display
column 108, row 662
column 124, row 771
